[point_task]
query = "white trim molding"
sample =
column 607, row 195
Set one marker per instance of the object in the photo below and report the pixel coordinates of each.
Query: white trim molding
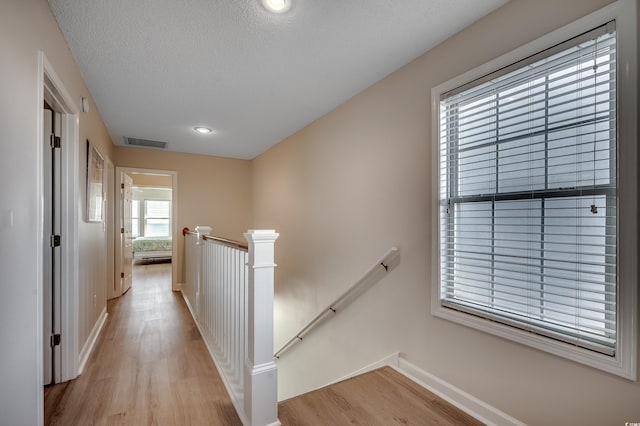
column 468, row 403
column 392, row 360
column 91, row 341
column 50, row 86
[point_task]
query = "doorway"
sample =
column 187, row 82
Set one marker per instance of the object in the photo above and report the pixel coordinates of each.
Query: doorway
column 51, row 255
column 145, row 231
column 52, row 92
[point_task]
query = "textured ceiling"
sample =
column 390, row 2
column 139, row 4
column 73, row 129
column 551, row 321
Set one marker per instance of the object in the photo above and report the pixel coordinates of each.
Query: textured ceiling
column 157, row 68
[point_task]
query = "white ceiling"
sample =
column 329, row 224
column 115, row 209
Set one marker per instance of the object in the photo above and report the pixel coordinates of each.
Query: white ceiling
column 157, row 68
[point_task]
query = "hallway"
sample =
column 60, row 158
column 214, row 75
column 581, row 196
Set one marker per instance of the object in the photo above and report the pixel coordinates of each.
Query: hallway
column 150, row 366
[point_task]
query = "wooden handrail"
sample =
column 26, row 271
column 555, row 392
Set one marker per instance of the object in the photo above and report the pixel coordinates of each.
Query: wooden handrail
column 226, row 242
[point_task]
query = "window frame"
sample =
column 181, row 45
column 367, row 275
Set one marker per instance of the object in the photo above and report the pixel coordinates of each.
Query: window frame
column 136, row 218
column 624, row 362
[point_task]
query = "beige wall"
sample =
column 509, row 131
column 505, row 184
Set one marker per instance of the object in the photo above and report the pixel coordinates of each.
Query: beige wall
column 93, row 265
column 26, row 27
column 357, row 181
column 211, row 191
column 156, row 181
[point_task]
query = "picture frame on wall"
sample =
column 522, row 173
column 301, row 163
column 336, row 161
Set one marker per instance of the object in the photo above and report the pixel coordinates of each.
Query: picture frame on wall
column 95, row 183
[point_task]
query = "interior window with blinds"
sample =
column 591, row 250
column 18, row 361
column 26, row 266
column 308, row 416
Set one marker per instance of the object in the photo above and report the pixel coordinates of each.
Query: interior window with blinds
column 527, row 190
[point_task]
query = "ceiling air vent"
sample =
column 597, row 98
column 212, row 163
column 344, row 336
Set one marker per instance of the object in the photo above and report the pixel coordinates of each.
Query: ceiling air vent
column 145, row 142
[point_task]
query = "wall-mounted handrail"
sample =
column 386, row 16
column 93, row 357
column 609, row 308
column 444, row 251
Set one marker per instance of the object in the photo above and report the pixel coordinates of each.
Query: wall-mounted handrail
column 381, row 265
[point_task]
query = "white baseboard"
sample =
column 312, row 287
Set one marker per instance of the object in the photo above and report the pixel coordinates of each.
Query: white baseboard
column 83, row 357
column 461, row 399
column 468, row 403
column 391, row 360
column 191, row 310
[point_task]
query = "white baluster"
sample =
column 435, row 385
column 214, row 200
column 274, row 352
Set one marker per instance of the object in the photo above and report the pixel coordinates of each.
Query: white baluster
column 201, row 231
column 227, row 302
column 242, row 307
column 234, row 317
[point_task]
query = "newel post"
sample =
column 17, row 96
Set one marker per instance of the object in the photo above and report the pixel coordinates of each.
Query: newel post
column 201, row 231
column 260, row 372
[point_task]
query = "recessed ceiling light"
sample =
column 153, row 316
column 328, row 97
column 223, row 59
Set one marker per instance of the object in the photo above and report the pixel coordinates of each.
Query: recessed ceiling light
column 277, row 6
column 202, row 130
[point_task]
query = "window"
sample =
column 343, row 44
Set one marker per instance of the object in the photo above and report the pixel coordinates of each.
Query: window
column 529, row 207
column 156, row 218
column 151, row 212
column 135, row 218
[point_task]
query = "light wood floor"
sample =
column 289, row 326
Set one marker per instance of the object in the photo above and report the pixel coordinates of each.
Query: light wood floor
column 383, row 397
column 150, row 366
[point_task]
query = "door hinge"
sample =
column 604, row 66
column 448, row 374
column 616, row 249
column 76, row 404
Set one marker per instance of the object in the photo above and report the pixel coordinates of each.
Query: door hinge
column 122, row 230
column 54, row 241
column 121, row 274
column 54, row 340
column 54, row 141
column 122, row 186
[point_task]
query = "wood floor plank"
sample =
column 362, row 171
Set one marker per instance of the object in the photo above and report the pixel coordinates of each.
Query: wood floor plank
column 382, row 397
column 150, row 366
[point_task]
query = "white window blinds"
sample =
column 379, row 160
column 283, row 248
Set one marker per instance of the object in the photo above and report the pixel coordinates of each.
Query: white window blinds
column 528, row 194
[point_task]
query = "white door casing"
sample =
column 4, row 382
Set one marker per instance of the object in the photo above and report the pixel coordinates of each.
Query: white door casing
column 174, row 219
column 110, row 224
column 46, row 251
column 51, row 89
column 123, row 233
column 50, row 262
column 126, row 239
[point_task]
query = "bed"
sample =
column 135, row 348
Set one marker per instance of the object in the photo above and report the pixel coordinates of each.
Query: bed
column 152, row 248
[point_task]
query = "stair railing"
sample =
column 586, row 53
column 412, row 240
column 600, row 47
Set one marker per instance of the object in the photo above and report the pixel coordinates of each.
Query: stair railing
column 382, row 265
column 229, row 291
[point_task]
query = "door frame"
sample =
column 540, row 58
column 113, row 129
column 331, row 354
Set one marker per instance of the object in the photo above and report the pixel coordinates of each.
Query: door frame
column 51, row 89
column 174, row 219
column 52, row 168
column 119, row 237
column 110, row 221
